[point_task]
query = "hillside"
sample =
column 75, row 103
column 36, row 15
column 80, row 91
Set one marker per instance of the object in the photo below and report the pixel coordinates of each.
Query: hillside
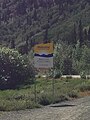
column 24, row 23
column 28, row 21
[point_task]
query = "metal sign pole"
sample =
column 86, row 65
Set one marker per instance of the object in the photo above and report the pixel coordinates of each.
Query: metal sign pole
column 53, row 88
column 35, row 91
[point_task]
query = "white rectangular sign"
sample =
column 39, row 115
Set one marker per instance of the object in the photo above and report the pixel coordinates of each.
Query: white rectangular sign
column 40, row 62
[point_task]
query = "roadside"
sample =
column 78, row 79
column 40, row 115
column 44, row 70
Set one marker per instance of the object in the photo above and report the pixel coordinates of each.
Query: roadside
column 79, row 109
column 25, row 97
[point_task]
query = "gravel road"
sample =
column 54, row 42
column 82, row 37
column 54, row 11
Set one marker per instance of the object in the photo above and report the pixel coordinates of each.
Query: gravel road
column 78, row 109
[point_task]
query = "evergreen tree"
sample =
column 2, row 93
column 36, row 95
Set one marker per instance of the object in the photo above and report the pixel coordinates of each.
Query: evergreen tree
column 46, row 36
column 35, row 15
column 85, row 36
column 21, row 8
column 27, row 46
column 35, row 4
column 29, row 20
column 67, row 66
column 74, row 35
column 4, row 5
column 0, row 19
column 12, row 44
column 89, row 34
column 80, row 33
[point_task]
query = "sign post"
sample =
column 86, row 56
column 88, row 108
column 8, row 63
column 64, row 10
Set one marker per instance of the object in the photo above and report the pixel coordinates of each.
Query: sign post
column 43, row 57
column 53, row 87
column 35, row 92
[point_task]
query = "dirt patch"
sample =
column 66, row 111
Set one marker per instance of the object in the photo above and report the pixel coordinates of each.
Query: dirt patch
column 85, row 93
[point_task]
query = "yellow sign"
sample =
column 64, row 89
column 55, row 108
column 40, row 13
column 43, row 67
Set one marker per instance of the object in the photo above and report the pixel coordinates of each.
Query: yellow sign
column 43, row 48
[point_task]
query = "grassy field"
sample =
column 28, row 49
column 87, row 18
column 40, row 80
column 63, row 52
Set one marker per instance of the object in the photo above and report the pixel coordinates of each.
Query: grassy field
column 24, row 98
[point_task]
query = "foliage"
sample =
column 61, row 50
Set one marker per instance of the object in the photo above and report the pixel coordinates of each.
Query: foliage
column 14, row 69
column 29, row 19
column 81, row 58
column 84, row 88
column 70, row 60
column 63, row 60
column 44, row 100
column 73, row 94
column 67, row 23
column 24, row 97
column 57, row 74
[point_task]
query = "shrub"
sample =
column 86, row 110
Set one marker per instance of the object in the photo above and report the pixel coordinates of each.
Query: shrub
column 88, row 77
column 44, row 100
column 84, row 88
column 68, row 77
column 60, row 98
column 83, row 75
column 73, row 94
column 57, row 74
column 14, row 69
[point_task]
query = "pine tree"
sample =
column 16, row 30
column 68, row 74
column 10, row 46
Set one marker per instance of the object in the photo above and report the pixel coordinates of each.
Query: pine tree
column 89, row 34
column 46, row 36
column 29, row 20
column 67, row 66
column 80, row 33
column 35, row 15
column 85, row 36
column 21, row 8
column 27, row 46
column 12, row 44
column 35, row 4
column 4, row 5
column 74, row 35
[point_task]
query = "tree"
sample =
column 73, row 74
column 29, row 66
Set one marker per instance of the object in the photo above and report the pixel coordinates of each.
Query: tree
column 14, row 69
column 80, row 33
column 85, row 36
column 63, row 59
column 67, row 66
column 4, row 5
column 12, row 43
column 85, row 60
column 89, row 34
column 46, row 36
column 21, row 8
column 29, row 20
column 35, row 15
column 35, row 4
column 27, row 47
column 74, row 35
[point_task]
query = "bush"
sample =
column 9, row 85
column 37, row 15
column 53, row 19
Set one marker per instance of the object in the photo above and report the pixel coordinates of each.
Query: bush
column 84, row 88
column 60, row 98
column 83, row 75
column 87, row 76
column 44, row 100
column 57, row 74
column 14, row 69
column 73, row 94
column 68, row 77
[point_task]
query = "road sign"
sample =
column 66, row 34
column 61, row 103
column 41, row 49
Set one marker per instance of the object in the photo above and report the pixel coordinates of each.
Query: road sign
column 43, row 55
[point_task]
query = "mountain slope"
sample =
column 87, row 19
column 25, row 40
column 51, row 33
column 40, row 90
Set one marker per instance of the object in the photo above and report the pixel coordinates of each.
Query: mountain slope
column 28, row 20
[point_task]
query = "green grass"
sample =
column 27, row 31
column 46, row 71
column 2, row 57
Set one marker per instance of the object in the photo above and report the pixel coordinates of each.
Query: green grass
column 24, row 97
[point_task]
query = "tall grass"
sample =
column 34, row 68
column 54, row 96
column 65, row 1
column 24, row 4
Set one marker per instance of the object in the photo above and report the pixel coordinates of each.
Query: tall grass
column 24, row 98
